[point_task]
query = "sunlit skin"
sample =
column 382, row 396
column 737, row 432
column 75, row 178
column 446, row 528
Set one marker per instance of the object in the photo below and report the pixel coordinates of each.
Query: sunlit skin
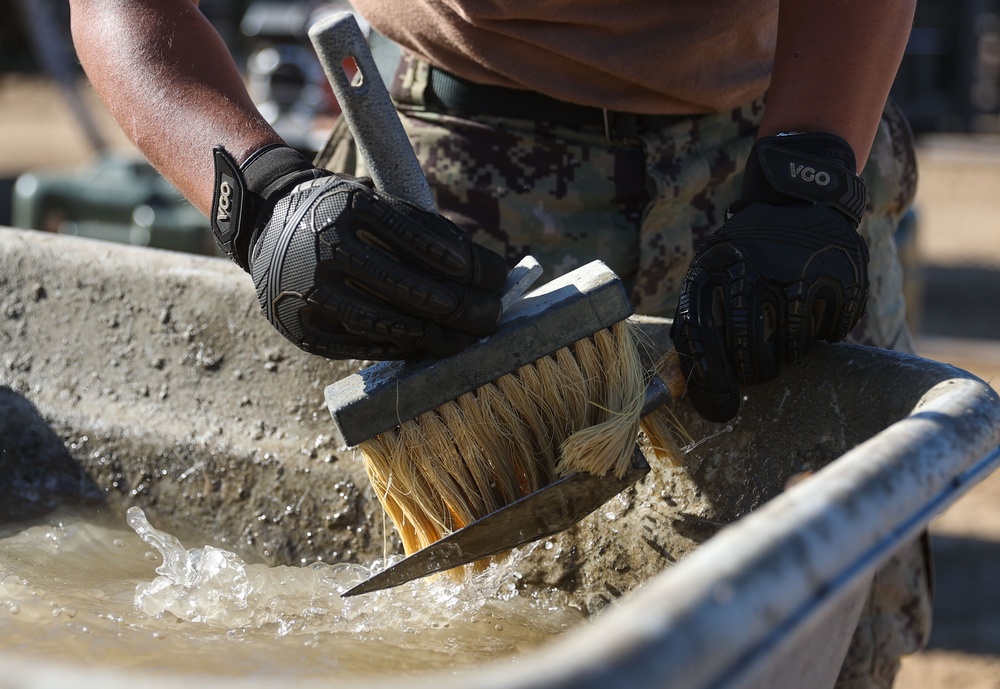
column 171, row 84
column 834, row 65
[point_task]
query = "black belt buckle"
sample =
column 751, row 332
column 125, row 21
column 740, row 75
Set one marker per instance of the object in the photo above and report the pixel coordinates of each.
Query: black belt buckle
column 619, row 127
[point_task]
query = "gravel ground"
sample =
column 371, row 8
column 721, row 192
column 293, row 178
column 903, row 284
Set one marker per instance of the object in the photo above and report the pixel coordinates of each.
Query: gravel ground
column 959, row 252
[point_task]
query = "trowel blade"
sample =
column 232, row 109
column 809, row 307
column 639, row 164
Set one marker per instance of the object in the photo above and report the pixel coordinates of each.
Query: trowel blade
column 547, row 511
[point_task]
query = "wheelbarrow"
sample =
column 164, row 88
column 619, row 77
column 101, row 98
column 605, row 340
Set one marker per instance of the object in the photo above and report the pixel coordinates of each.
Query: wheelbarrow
column 713, row 573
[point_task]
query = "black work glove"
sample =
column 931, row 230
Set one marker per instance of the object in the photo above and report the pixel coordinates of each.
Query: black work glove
column 345, row 271
column 786, row 268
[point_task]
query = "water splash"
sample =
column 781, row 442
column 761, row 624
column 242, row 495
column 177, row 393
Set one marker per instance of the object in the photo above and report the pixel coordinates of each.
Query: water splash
column 87, row 592
column 215, row 587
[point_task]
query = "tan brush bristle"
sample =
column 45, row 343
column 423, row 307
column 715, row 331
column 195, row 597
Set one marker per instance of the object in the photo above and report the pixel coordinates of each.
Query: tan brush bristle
column 576, row 410
column 606, row 444
column 662, row 427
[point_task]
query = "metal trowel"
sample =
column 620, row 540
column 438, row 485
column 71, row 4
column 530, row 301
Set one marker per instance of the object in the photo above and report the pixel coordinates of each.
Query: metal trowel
column 546, row 512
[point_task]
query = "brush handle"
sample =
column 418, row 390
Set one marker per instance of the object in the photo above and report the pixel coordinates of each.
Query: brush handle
column 369, row 111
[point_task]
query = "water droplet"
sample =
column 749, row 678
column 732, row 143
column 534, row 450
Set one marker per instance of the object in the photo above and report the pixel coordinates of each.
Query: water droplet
column 119, row 542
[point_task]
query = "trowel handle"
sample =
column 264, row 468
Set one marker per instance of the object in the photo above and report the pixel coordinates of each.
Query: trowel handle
column 378, row 132
column 657, row 394
column 369, row 111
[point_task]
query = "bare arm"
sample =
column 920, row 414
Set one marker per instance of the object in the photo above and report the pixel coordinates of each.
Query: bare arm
column 171, row 84
column 834, row 65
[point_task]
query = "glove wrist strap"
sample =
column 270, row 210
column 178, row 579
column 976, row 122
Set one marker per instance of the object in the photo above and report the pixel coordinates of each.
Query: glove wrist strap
column 804, row 168
column 244, row 195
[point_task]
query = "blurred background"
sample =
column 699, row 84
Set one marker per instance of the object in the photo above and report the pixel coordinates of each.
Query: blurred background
column 65, row 167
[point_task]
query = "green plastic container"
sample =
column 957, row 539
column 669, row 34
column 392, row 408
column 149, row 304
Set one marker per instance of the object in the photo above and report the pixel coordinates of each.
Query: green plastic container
column 117, row 199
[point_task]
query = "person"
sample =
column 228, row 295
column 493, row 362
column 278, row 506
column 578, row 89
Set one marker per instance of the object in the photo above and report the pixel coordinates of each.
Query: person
column 738, row 164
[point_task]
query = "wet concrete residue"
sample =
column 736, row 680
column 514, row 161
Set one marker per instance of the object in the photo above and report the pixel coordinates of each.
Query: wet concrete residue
column 169, row 391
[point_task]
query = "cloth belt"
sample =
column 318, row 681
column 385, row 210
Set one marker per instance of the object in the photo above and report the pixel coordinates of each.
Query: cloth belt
column 452, row 94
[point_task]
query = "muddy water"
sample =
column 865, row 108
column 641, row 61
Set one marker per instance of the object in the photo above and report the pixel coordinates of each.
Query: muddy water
column 81, row 589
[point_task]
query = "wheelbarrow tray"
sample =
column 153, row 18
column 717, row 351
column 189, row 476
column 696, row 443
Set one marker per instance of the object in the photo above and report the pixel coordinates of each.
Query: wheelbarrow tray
column 146, row 377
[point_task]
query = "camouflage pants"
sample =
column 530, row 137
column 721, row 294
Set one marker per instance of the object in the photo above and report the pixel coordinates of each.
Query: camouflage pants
column 569, row 196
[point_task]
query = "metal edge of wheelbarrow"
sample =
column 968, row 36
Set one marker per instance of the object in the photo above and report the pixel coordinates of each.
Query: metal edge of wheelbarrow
column 748, row 607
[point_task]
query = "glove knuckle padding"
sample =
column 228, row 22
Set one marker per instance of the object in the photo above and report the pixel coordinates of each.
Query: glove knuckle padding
column 417, row 260
column 770, row 281
column 340, row 272
column 814, row 262
column 786, row 268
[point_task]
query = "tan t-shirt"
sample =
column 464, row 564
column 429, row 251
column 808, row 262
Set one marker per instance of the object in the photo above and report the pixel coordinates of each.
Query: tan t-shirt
column 643, row 56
